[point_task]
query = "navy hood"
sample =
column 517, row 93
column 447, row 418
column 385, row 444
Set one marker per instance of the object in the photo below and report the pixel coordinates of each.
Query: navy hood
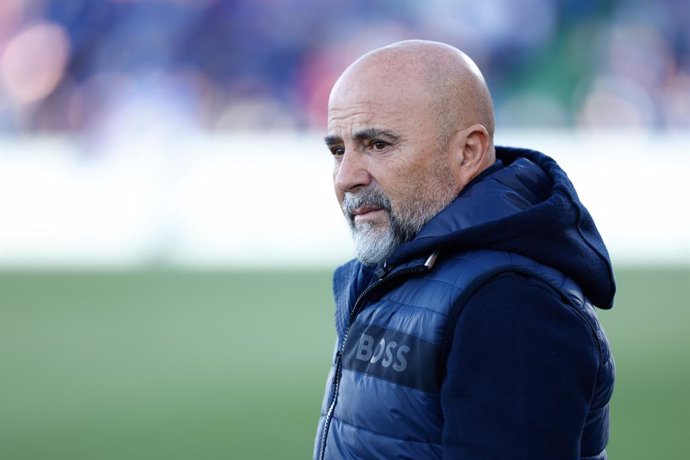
column 524, row 204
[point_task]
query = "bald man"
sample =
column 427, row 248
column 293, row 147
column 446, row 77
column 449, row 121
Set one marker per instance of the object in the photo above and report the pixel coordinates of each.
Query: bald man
column 465, row 326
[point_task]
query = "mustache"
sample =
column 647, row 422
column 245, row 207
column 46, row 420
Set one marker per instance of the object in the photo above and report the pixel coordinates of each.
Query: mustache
column 368, row 197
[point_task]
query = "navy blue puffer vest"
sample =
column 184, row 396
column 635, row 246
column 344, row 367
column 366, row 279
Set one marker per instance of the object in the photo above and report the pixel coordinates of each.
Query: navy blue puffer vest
column 383, row 392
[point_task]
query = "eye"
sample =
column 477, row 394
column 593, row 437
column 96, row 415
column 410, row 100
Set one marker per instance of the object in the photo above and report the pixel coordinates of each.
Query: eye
column 379, row 145
column 337, row 151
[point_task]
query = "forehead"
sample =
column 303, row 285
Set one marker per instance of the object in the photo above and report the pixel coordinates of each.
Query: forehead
column 378, row 105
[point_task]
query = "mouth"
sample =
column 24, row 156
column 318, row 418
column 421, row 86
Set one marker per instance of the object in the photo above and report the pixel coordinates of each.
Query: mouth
column 366, row 212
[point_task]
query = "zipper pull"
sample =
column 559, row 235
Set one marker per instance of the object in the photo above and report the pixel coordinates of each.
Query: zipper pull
column 431, row 261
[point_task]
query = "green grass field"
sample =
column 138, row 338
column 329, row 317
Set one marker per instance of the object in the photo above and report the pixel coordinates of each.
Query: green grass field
column 189, row 365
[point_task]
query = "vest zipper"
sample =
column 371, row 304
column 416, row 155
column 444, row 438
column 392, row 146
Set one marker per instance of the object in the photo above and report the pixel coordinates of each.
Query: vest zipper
column 353, row 314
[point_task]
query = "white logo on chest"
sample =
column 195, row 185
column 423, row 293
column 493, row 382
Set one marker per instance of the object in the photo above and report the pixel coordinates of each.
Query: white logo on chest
column 386, row 354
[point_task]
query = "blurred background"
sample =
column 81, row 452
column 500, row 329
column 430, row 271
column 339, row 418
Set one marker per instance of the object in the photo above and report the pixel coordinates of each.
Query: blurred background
column 164, row 294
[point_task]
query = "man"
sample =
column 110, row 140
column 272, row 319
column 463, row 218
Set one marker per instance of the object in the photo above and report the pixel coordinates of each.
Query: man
column 465, row 328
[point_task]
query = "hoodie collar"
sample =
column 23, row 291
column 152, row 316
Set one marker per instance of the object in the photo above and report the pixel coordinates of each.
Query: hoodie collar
column 524, row 204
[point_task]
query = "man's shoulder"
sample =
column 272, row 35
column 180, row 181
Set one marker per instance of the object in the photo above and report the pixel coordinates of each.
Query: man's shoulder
column 520, row 302
column 475, row 267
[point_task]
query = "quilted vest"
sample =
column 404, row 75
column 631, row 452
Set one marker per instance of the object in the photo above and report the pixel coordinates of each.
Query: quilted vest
column 382, row 397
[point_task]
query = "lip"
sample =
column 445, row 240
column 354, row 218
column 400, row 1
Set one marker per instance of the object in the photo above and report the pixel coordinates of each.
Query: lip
column 365, row 211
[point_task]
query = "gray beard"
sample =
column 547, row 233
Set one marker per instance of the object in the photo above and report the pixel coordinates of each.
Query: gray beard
column 375, row 243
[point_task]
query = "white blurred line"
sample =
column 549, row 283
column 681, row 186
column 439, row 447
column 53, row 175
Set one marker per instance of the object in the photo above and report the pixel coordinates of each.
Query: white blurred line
column 257, row 200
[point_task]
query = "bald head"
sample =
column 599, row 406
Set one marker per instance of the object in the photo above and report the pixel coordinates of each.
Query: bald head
column 409, row 126
column 440, row 76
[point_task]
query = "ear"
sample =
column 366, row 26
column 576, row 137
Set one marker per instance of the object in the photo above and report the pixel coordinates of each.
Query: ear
column 473, row 153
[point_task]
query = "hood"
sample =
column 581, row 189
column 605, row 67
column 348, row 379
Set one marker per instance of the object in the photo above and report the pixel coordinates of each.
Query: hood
column 524, row 204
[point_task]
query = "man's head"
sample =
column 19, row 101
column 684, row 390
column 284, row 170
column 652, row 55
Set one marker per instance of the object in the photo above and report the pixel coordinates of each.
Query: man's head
column 409, row 126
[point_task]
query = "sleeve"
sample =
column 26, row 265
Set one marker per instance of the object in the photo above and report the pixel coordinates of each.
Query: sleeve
column 520, row 374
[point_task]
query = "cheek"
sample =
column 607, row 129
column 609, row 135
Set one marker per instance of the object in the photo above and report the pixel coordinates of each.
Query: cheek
column 410, row 187
column 404, row 196
column 401, row 181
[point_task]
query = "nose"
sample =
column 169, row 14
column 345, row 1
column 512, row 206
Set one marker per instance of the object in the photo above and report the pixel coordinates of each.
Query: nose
column 351, row 171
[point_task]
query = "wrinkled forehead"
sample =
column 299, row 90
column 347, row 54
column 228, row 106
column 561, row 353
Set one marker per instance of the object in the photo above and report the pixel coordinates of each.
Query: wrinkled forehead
column 379, row 81
column 383, row 100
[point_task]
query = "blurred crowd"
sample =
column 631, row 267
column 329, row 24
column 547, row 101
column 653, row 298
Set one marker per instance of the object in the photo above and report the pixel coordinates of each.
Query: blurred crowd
column 132, row 66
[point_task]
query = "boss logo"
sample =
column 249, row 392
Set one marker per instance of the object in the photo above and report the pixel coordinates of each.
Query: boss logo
column 392, row 355
column 388, row 354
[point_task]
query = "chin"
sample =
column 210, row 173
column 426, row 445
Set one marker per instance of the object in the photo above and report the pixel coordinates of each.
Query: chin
column 374, row 245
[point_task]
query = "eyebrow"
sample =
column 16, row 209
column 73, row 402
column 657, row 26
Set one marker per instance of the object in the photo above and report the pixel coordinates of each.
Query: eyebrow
column 332, row 140
column 363, row 135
